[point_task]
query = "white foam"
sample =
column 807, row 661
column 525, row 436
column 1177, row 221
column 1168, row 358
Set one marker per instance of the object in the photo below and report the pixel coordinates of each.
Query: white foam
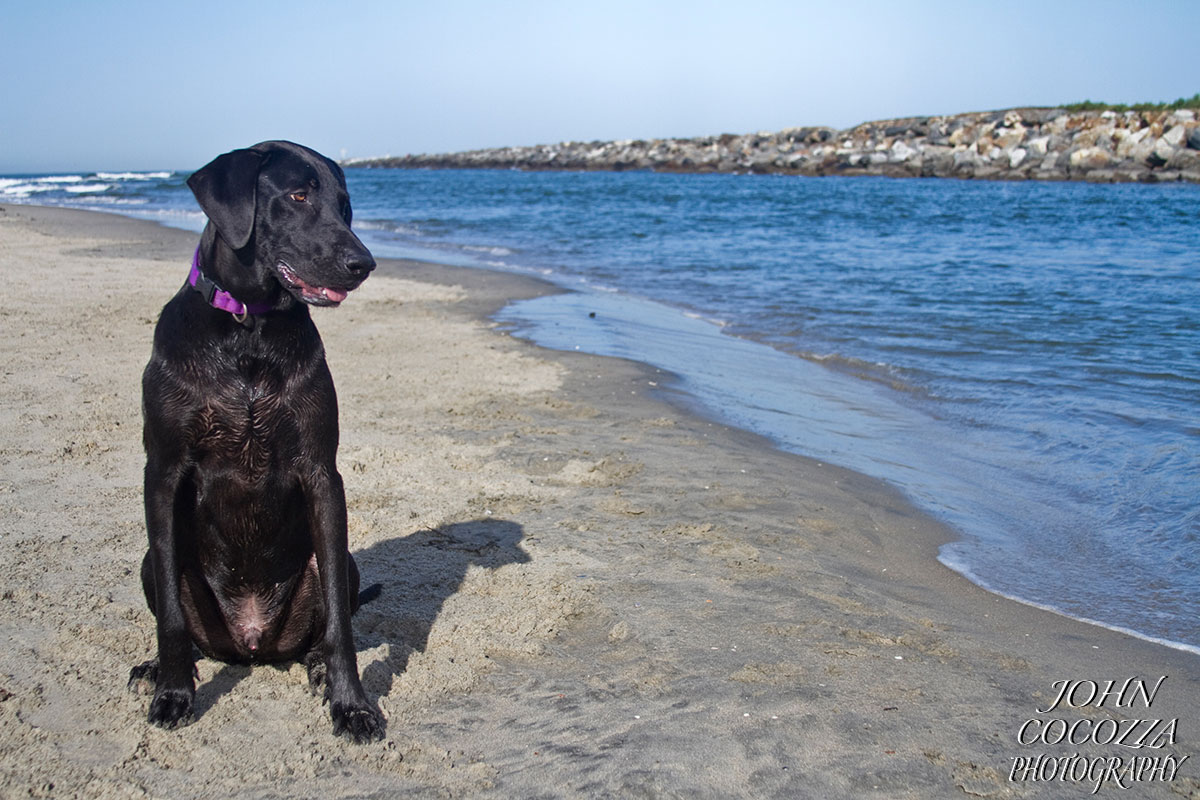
column 720, row 323
column 388, row 226
column 120, row 201
column 494, row 251
column 88, row 188
column 132, row 176
column 59, row 179
column 24, row 189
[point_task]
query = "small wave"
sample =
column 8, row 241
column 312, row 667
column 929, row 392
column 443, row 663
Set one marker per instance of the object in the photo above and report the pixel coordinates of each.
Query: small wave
column 878, row 371
column 11, row 188
column 25, row 186
column 88, row 188
column 492, row 251
column 132, row 176
column 720, row 323
column 960, row 566
column 597, row 287
column 119, row 201
column 387, row 226
column 180, row 213
column 24, row 189
column 59, row 179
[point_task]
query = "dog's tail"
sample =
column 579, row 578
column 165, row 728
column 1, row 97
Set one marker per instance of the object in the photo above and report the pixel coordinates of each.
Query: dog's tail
column 370, row 593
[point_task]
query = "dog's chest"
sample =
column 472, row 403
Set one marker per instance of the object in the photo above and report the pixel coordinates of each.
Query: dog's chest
column 249, row 422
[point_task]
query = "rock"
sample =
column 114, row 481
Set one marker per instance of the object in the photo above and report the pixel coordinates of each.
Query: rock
column 1048, row 174
column 1161, row 152
column 1038, row 146
column 1008, row 138
column 1058, row 143
column 1129, row 175
column 1176, row 136
column 1193, row 138
column 1143, row 149
column 960, row 136
column 965, row 161
column 1184, row 161
column 1089, row 158
column 1130, row 142
column 1085, row 138
column 1016, row 157
column 902, row 152
column 1058, row 125
column 937, row 161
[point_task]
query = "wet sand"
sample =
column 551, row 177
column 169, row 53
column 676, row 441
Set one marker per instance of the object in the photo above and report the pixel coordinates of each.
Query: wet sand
column 586, row 591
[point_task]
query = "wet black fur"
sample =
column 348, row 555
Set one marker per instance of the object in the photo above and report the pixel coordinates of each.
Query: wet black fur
column 245, row 509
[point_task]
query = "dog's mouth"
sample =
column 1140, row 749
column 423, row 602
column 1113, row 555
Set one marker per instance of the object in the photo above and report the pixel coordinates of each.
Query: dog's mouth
column 313, row 295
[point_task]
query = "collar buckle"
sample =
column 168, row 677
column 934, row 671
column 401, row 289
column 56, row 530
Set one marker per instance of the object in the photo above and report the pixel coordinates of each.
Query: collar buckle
column 218, row 298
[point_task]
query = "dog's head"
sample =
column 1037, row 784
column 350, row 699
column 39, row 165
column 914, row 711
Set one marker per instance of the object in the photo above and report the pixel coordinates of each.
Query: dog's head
column 287, row 207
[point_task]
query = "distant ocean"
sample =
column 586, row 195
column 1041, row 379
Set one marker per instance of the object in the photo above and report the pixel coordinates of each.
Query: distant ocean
column 1022, row 360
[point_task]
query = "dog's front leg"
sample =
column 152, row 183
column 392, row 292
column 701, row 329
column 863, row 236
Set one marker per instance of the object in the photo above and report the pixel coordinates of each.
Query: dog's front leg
column 174, row 687
column 353, row 715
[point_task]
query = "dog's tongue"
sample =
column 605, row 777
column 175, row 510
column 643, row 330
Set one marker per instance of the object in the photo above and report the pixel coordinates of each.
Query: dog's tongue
column 332, row 295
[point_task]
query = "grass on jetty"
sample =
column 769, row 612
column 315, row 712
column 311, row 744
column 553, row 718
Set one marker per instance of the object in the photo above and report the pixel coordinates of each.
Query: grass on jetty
column 1183, row 102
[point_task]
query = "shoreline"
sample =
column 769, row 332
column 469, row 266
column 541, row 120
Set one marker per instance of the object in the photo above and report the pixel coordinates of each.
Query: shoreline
column 587, row 589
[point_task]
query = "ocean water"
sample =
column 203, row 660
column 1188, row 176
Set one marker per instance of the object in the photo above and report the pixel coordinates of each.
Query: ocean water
column 1021, row 359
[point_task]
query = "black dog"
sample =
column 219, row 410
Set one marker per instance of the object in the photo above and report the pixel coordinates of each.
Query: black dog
column 245, row 509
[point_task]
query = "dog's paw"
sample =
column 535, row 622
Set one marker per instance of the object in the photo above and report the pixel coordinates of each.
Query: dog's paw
column 316, row 677
column 172, row 708
column 359, row 724
column 143, row 677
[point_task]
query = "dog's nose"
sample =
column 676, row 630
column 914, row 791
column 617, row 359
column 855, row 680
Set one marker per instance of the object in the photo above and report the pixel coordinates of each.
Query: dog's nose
column 360, row 264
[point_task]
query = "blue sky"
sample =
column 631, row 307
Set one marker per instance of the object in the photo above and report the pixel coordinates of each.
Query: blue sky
column 168, row 85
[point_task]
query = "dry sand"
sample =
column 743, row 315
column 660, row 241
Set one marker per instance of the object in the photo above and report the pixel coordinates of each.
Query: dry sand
column 587, row 592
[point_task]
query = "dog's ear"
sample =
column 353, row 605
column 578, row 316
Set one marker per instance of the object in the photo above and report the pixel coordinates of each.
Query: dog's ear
column 226, row 188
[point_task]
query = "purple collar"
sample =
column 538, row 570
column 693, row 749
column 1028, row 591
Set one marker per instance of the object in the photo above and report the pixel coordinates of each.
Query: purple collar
column 217, row 297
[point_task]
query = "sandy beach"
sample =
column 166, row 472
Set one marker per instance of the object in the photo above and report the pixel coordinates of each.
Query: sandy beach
column 586, row 591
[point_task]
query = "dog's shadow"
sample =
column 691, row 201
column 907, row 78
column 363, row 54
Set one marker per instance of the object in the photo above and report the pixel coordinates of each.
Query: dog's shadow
column 419, row 573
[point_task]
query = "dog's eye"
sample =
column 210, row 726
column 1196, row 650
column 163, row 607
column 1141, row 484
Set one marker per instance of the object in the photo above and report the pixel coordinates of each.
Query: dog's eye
column 299, row 197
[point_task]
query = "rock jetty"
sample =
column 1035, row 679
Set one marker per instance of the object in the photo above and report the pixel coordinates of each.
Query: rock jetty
column 1017, row 144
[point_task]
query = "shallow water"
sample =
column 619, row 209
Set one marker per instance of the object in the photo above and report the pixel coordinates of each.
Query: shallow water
column 1022, row 360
